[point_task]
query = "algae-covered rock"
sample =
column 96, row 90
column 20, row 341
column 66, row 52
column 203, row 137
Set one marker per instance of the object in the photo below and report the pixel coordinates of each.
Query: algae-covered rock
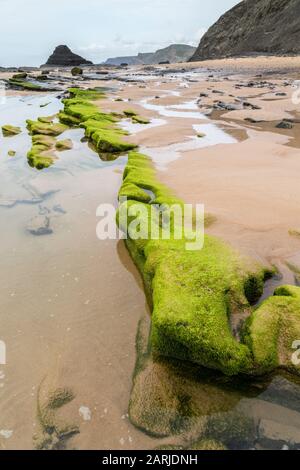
column 130, row 113
column 46, row 119
column 68, row 120
column 235, row 430
column 76, row 71
column 192, row 292
column 100, row 128
column 20, row 76
column 273, row 329
column 170, row 397
column 27, row 85
column 62, row 145
column 41, row 155
column 55, row 428
column 140, row 120
column 10, row 131
column 51, row 129
column 208, row 444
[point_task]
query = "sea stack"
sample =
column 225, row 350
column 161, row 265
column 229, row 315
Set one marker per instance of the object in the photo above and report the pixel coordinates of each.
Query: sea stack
column 253, row 27
column 64, row 57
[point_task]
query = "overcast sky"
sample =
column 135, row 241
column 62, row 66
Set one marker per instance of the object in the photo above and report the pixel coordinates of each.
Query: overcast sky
column 98, row 29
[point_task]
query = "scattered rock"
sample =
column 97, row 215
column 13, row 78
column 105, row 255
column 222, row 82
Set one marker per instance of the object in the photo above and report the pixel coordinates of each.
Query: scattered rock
column 11, row 153
column 285, row 125
column 62, row 145
column 6, row 434
column 10, row 131
column 273, row 435
column 85, row 413
column 76, row 71
column 39, row 225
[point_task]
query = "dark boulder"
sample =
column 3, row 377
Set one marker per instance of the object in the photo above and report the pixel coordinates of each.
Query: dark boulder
column 64, row 57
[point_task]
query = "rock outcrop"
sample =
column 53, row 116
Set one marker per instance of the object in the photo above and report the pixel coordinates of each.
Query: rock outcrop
column 64, row 57
column 253, row 27
column 173, row 54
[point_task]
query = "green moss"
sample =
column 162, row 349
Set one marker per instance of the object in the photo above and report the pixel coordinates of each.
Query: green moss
column 45, row 141
column 41, row 154
column 91, row 94
column 208, row 444
column 51, row 129
column 59, row 398
column 68, row 119
column 140, row 120
column 62, row 145
column 171, row 397
column 100, row 128
column 46, row 119
column 233, row 429
column 26, row 85
column 130, row 113
column 55, row 431
column 39, row 159
column 294, row 233
column 20, row 76
column 76, row 71
column 193, row 294
column 272, row 329
column 10, row 131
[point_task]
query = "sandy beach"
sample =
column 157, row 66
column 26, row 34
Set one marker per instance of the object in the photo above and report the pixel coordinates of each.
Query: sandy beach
column 230, row 157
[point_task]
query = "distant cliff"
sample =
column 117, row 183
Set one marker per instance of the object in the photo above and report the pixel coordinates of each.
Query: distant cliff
column 173, row 54
column 64, row 57
column 253, row 27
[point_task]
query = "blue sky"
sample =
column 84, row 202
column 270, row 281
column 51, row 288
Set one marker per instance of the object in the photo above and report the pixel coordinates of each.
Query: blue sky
column 98, row 29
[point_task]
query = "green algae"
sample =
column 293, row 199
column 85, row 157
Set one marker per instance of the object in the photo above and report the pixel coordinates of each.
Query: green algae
column 140, row 120
column 20, row 76
column 100, row 128
column 69, row 120
column 41, row 155
column 63, row 145
column 24, row 85
column 194, row 294
column 208, row 444
column 76, row 71
column 45, row 128
column 130, row 113
column 46, row 119
column 135, row 117
column 10, row 131
column 55, row 430
column 273, row 328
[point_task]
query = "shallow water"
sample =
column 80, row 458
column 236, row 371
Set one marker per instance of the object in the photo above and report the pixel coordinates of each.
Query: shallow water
column 69, row 303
